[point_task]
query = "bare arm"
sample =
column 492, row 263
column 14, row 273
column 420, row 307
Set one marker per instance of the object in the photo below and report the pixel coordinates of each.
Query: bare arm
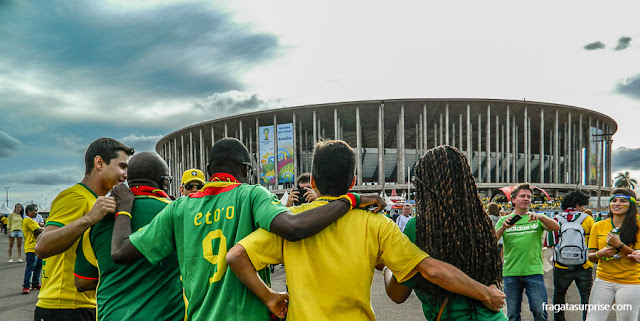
column 397, row 292
column 549, row 223
column 122, row 250
column 85, row 284
column 238, row 261
column 505, row 225
column 297, row 227
column 55, row 240
column 452, row 279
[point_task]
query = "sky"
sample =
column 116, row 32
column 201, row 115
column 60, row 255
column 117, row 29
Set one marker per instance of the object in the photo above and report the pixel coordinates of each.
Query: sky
column 71, row 72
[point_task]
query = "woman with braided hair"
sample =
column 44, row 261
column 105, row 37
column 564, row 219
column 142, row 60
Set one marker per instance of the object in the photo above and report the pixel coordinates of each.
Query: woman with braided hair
column 450, row 226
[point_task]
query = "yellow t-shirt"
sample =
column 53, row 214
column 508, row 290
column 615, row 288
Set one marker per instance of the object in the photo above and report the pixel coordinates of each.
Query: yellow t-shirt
column 622, row 270
column 587, row 224
column 58, row 286
column 329, row 275
column 29, row 225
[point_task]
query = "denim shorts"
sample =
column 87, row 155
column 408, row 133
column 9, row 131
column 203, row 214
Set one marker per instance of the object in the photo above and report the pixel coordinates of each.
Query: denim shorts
column 16, row 234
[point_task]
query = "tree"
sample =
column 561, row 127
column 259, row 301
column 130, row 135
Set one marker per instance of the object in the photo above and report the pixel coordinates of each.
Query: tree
column 623, row 180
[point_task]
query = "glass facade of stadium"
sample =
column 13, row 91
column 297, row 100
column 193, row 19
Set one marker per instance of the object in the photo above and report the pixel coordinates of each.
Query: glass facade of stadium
column 556, row 147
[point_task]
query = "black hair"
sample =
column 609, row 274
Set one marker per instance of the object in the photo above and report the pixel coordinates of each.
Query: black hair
column 21, row 209
column 31, row 207
column 105, row 147
column 147, row 166
column 574, row 198
column 629, row 227
column 451, row 224
column 304, row 178
column 227, row 156
column 333, row 167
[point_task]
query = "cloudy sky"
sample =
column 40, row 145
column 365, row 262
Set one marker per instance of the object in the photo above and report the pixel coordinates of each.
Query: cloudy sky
column 74, row 72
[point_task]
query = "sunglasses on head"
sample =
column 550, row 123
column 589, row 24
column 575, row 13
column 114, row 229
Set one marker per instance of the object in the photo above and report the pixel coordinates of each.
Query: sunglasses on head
column 189, row 186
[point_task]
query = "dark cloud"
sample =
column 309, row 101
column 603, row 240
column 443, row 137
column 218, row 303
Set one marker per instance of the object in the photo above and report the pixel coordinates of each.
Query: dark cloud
column 141, row 143
column 594, row 46
column 173, row 50
column 623, row 43
column 8, row 145
column 625, row 159
column 629, row 86
column 61, row 176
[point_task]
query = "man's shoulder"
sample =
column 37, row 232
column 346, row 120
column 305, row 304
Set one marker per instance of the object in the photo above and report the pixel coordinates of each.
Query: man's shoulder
column 77, row 191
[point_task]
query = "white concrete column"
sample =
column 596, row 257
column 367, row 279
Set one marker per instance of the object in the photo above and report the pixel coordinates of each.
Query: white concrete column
column 381, row 173
column 488, row 145
column 556, row 150
column 358, row 148
column 480, row 180
column 542, row 156
column 508, row 148
column 335, row 124
column 446, row 115
column 400, row 150
column 201, row 165
column 469, row 148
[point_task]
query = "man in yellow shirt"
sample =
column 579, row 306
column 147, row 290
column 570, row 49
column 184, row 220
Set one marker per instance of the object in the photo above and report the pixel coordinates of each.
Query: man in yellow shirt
column 329, row 274
column 31, row 230
column 73, row 211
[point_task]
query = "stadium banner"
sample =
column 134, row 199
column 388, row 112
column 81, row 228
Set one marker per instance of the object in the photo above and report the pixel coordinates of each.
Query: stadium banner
column 285, row 153
column 267, row 159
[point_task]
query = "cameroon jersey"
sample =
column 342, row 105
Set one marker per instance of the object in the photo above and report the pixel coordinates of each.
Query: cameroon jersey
column 201, row 228
column 139, row 290
column 58, row 285
column 28, row 227
column 329, row 274
column 622, row 270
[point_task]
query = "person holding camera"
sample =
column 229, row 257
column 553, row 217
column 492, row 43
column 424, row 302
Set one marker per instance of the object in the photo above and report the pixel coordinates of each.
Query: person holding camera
column 302, row 192
column 522, row 235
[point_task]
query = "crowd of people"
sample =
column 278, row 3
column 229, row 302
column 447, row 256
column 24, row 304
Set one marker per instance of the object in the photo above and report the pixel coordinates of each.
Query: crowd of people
column 114, row 251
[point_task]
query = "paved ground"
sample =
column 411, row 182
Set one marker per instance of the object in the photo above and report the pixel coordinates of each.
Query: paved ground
column 16, row 306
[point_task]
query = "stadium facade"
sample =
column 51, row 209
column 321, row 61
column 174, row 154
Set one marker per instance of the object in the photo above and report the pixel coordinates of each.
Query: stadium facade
column 556, row 147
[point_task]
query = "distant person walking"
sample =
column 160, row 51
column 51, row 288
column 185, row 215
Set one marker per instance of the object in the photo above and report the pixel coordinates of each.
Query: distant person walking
column 407, row 211
column 14, row 226
column 31, row 230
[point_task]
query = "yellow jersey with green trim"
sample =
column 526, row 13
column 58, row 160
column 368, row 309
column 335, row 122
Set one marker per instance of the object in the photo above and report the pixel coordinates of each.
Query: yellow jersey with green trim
column 329, row 274
column 58, row 286
column 29, row 225
column 622, row 270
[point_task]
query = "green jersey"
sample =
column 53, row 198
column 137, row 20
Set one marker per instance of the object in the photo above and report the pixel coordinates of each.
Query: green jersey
column 522, row 247
column 459, row 307
column 139, row 290
column 201, row 227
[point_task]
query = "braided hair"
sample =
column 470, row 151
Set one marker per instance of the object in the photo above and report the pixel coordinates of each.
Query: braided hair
column 451, row 225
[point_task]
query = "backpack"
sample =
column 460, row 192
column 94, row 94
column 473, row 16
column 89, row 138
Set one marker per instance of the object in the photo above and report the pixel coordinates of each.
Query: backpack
column 570, row 249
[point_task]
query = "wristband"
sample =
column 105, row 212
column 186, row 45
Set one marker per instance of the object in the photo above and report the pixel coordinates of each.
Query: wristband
column 620, row 247
column 124, row 213
column 352, row 198
column 597, row 257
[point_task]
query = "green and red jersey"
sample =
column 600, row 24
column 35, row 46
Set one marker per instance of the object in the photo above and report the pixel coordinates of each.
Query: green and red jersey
column 201, row 228
column 139, row 290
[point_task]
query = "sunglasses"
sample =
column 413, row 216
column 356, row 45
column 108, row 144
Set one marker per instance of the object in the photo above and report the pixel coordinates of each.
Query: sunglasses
column 189, row 186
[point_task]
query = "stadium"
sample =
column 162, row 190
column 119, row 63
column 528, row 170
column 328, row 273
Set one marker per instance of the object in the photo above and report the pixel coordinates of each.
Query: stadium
column 556, row 147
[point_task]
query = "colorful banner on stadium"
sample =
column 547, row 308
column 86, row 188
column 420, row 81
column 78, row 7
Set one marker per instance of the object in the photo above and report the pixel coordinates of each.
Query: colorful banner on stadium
column 285, row 153
column 267, row 160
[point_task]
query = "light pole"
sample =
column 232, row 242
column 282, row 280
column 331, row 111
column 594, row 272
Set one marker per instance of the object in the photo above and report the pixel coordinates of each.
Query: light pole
column 6, row 188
